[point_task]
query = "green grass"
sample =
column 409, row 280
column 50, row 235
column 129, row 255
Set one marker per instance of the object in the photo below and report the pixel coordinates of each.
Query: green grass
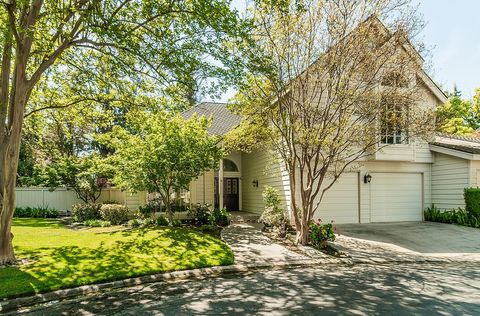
column 59, row 257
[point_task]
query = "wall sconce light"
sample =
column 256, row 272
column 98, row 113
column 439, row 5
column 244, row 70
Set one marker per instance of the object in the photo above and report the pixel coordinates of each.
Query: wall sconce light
column 367, row 178
column 255, row 183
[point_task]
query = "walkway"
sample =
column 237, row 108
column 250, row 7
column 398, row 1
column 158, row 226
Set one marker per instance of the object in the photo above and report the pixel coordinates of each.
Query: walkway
column 250, row 246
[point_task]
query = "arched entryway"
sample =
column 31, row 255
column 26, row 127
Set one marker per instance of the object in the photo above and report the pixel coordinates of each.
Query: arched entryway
column 227, row 186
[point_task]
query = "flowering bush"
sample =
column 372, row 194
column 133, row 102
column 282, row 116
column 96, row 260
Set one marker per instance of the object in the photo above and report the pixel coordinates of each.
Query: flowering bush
column 321, row 233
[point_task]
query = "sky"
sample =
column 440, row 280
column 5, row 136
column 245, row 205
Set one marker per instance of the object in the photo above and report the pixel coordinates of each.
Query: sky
column 452, row 35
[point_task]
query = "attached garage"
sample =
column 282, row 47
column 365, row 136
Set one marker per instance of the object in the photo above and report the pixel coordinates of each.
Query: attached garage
column 341, row 203
column 396, row 197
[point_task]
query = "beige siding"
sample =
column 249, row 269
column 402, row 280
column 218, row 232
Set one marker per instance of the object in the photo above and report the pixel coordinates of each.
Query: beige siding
column 474, row 174
column 201, row 189
column 450, row 175
column 340, row 202
column 262, row 166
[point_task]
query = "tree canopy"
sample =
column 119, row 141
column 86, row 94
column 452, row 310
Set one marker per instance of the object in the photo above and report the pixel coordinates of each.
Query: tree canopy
column 459, row 116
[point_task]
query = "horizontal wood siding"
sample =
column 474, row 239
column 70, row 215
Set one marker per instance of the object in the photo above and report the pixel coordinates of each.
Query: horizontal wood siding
column 450, row 175
column 262, row 166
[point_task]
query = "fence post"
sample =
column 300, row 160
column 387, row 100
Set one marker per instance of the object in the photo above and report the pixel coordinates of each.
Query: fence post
column 43, row 197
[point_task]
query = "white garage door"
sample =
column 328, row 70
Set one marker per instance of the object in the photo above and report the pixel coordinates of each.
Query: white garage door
column 396, row 197
column 340, row 202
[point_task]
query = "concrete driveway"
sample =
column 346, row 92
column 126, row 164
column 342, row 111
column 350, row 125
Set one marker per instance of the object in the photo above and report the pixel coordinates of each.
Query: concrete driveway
column 427, row 239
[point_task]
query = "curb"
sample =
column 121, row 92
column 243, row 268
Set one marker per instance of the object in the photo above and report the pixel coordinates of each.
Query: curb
column 15, row 304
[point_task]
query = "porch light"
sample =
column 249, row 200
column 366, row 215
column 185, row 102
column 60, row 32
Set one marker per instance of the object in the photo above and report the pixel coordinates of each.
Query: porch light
column 255, row 183
column 367, row 178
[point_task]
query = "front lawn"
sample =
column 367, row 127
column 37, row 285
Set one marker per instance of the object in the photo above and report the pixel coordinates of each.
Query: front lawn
column 59, row 257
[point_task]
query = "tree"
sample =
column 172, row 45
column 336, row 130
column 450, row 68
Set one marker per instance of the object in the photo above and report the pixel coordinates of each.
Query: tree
column 339, row 83
column 459, row 116
column 140, row 39
column 161, row 153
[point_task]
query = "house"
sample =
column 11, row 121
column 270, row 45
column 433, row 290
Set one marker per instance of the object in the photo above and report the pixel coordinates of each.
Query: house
column 396, row 184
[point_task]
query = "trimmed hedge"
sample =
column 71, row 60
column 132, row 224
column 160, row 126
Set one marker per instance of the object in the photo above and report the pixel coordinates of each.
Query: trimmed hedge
column 472, row 201
column 36, row 212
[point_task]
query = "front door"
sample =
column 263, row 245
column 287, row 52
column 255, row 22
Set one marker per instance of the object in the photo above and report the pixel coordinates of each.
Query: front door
column 230, row 193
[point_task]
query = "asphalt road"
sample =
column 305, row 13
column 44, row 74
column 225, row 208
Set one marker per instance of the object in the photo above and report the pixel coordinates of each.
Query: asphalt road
column 422, row 289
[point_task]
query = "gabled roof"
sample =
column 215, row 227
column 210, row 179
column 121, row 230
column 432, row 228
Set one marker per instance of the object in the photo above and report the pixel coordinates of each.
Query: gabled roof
column 223, row 120
column 460, row 146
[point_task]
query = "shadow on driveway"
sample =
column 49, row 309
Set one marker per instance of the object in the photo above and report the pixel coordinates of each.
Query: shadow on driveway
column 421, row 237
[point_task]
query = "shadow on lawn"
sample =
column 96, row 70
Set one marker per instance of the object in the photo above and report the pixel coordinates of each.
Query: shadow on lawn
column 37, row 222
column 132, row 255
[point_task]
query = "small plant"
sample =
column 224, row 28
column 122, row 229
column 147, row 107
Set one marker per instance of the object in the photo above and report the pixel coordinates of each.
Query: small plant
column 175, row 223
column 162, row 221
column 97, row 223
column 135, row 222
column 220, row 217
column 274, row 216
column 321, row 233
column 115, row 213
column 210, row 229
column 460, row 216
column 200, row 214
column 36, row 212
column 85, row 212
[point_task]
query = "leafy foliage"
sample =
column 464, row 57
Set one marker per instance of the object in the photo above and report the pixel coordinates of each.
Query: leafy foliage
column 114, row 213
column 220, row 217
column 36, row 212
column 459, row 216
column 162, row 221
column 321, row 233
column 200, row 214
column 274, row 215
column 472, row 201
column 459, row 116
column 162, row 153
column 84, row 212
column 97, row 223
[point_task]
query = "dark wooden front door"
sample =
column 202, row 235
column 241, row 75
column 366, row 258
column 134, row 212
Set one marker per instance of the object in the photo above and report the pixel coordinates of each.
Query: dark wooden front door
column 230, row 193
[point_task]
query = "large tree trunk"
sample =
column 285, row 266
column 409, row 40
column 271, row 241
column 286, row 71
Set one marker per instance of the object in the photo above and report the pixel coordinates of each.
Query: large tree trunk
column 8, row 169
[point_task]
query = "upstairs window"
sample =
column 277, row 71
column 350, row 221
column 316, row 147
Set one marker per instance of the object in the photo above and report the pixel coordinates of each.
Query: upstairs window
column 392, row 119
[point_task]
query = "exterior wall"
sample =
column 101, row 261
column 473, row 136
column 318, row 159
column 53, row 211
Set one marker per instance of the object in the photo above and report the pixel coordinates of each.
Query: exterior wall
column 450, row 175
column 416, row 150
column 63, row 199
column 474, row 174
column 261, row 165
column 202, row 189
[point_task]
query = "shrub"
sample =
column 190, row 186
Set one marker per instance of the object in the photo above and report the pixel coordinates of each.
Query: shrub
column 210, row 229
column 175, row 223
column 115, row 213
column 472, row 201
column 200, row 214
column 460, row 217
column 162, row 221
column 97, row 223
column 274, row 215
column 36, row 212
column 220, row 217
column 135, row 222
column 85, row 212
column 152, row 206
column 321, row 233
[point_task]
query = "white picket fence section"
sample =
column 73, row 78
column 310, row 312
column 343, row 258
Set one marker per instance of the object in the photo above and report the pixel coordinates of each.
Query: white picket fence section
column 63, row 199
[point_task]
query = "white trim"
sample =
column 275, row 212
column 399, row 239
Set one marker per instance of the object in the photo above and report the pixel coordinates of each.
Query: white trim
column 454, row 152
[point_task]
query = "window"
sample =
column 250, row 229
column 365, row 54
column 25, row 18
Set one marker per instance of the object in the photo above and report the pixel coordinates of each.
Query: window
column 229, row 165
column 392, row 121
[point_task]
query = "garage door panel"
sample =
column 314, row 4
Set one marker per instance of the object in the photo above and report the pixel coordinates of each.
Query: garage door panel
column 396, row 197
column 340, row 202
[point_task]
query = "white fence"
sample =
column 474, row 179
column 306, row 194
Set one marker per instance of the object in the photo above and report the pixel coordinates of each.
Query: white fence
column 63, row 199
